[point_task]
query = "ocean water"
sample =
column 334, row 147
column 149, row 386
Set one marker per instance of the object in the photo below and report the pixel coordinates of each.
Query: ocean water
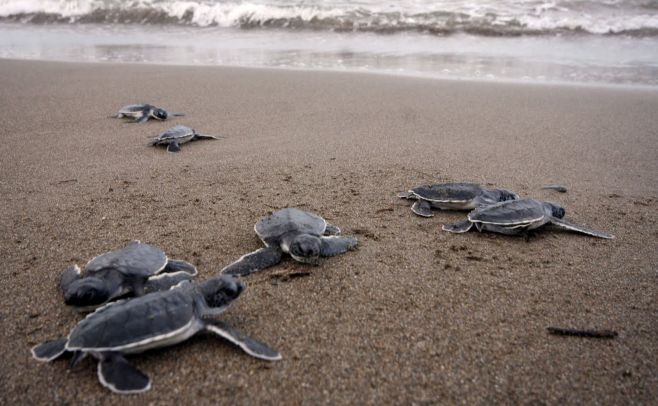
column 577, row 41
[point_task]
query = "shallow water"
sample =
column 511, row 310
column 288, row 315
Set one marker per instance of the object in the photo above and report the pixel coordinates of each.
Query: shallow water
column 571, row 58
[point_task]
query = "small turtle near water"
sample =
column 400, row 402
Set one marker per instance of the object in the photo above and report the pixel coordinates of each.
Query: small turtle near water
column 156, row 320
column 175, row 136
column 141, row 113
column 135, row 269
column 518, row 216
column 305, row 236
column 453, row 196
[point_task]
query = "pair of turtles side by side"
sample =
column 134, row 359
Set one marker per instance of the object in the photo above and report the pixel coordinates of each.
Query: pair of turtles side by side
column 518, row 216
column 453, row 196
column 155, row 320
column 304, row 236
column 133, row 270
column 178, row 135
column 141, row 113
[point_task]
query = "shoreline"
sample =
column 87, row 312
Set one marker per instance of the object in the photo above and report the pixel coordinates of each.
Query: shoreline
column 415, row 314
column 589, row 59
column 385, row 74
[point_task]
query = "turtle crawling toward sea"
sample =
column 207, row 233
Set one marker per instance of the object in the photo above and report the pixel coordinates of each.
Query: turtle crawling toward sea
column 180, row 134
column 141, row 113
column 156, row 320
column 518, row 216
column 303, row 235
column 453, row 196
column 136, row 269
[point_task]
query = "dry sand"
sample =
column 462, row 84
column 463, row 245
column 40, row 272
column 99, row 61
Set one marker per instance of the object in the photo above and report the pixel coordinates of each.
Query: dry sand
column 415, row 315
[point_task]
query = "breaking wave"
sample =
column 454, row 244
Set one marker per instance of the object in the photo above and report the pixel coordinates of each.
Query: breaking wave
column 491, row 18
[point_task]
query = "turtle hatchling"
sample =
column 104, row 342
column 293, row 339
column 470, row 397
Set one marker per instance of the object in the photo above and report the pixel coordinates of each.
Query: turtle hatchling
column 141, row 113
column 156, row 320
column 518, row 216
column 175, row 136
column 453, row 196
column 136, row 269
column 303, row 235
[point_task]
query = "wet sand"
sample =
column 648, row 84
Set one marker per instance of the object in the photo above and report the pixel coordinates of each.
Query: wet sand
column 415, row 315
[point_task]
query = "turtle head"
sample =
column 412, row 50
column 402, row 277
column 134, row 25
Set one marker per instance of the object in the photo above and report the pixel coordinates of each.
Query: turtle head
column 221, row 291
column 305, row 248
column 87, row 292
column 556, row 210
column 505, row 195
column 160, row 114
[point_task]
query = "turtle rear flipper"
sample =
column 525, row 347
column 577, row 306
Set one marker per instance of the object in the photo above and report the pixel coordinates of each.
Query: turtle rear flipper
column 334, row 245
column 166, row 281
column 422, row 208
column 118, row 375
column 50, row 350
column 254, row 261
column 173, row 147
column 458, row 227
column 72, row 274
column 249, row 345
column 568, row 226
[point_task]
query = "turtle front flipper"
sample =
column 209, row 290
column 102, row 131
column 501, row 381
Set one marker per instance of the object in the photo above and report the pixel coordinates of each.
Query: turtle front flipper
column 206, row 136
column 173, row 147
column 177, row 265
column 118, row 375
column 568, row 226
column 142, row 119
column 458, row 227
column 72, row 274
column 331, row 229
column 249, row 345
column 422, row 208
column 254, row 261
column 334, row 245
column 50, row 350
column 166, row 281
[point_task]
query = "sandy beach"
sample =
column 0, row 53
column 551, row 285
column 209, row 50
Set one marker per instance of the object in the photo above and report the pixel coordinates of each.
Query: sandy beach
column 415, row 315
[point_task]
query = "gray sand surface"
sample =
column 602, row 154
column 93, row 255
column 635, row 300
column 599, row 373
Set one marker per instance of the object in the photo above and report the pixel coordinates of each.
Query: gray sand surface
column 415, row 315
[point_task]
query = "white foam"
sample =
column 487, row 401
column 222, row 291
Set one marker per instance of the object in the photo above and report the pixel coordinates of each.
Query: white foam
column 593, row 16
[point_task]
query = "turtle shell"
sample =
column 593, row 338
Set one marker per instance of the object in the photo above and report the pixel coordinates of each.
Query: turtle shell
column 144, row 321
column 133, row 108
column 289, row 220
column 137, row 259
column 175, row 133
column 448, row 192
column 510, row 212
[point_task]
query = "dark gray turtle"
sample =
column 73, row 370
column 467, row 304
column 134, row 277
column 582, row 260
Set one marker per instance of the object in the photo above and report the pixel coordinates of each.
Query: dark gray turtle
column 175, row 136
column 142, row 112
column 518, row 216
column 453, row 196
column 156, row 320
column 305, row 236
column 135, row 269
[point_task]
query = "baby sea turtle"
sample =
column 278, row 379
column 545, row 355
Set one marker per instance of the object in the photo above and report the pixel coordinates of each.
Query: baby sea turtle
column 305, row 236
column 156, row 320
column 135, row 269
column 517, row 216
column 142, row 112
column 175, row 136
column 453, row 196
